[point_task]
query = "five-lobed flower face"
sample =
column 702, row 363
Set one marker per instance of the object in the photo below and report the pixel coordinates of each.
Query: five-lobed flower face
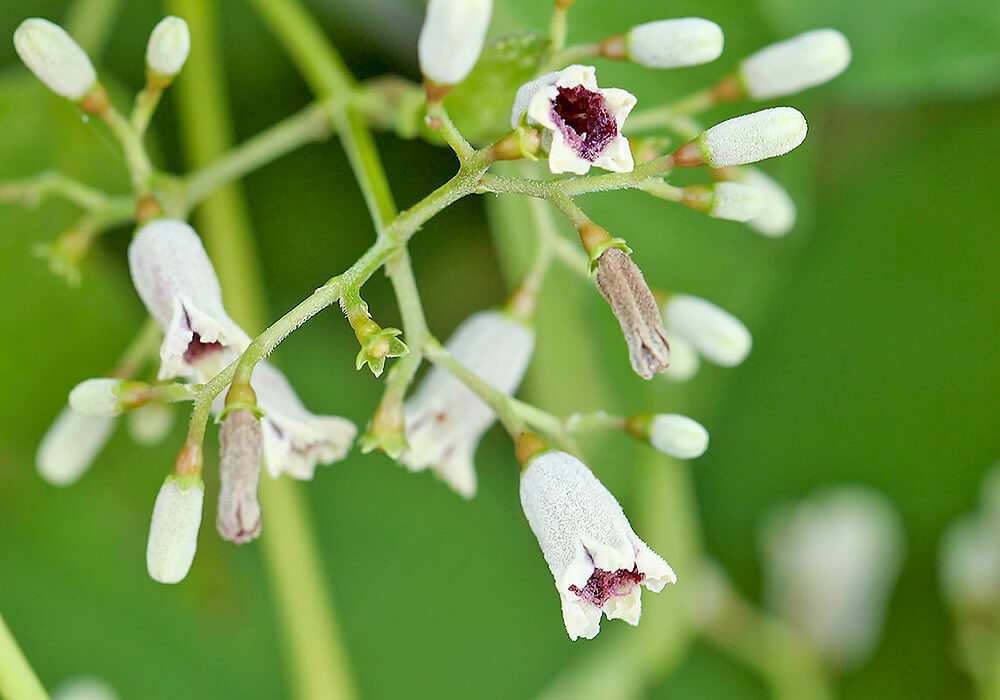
column 583, row 123
column 597, row 560
column 444, row 418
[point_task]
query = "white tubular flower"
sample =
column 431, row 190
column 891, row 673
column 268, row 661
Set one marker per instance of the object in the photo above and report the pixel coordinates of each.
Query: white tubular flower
column 451, row 38
column 777, row 216
column 671, row 43
column 753, row 137
column 795, row 64
column 583, row 122
column 168, row 47
column 597, row 560
column 71, row 444
column 684, row 360
column 830, row 564
column 444, row 418
column 173, row 532
column 55, row 58
column 177, row 283
column 678, row 436
column 296, row 440
column 718, row 335
column 736, row 202
column 96, row 397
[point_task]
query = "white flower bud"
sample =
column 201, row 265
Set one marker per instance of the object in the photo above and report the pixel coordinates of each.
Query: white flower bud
column 670, row 43
column 678, row 436
column 55, row 58
column 753, row 137
column 452, row 38
column 718, row 335
column 173, row 532
column 736, row 202
column 795, row 64
column 71, row 444
column 150, row 423
column 168, row 47
column 684, row 360
column 970, row 566
column 84, row 688
column 96, row 397
column 778, row 214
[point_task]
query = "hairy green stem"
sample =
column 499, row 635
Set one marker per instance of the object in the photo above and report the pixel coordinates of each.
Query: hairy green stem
column 17, row 679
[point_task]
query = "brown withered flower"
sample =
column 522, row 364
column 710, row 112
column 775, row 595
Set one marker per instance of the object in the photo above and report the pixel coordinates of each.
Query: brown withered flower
column 239, row 516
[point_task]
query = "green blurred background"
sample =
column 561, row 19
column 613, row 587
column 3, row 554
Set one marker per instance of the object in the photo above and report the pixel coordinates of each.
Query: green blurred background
column 875, row 362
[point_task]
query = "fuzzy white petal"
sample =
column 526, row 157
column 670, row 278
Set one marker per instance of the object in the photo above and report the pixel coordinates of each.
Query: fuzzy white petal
column 736, row 201
column 678, row 436
column 169, row 46
column 718, row 335
column 70, row 445
column 670, row 43
column 795, row 64
column 55, row 58
column 445, row 419
column 173, row 531
column 526, row 93
column 754, row 137
column 778, row 214
column 96, row 397
column 452, row 37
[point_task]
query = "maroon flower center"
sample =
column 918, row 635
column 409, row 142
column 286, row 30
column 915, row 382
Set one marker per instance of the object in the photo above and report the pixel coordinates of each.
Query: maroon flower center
column 604, row 585
column 584, row 121
column 196, row 349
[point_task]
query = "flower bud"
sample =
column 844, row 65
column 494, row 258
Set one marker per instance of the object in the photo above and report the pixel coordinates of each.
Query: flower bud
column 173, row 532
column 753, row 137
column 150, row 423
column 777, row 216
column 55, row 58
column 718, row 335
column 168, row 47
column 84, row 688
column 239, row 516
column 622, row 284
column 970, row 567
column 96, row 397
column 795, row 64
column 735, row 201
column 670, row 43
column 678, row 436
column 71, row 444
column 684, row 360
column 451, row 38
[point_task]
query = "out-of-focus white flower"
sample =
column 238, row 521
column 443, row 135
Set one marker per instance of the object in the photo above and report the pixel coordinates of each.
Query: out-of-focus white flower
column 583, row 123
column 597, row 560
column 84, row 688
column 970, row 565
column 451, row 38
column 795, row 64
column 777, row 216
column 150, row 423
column 176, row 281
column 753, row 137
column 444, row 418
column 684, row 359
column 168, row 47
column 173, row 532
column 671, row 43
column 96, row 397
column 678, row 436
column 735, row 201
column 70, row 445
column 718, row 335
column 55, row 58
column 830, row 565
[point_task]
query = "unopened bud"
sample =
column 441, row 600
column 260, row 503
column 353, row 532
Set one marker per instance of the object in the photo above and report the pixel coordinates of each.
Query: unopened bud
column 97, row 397
column 795, row 64
column 678, row 436
column 70, row 445
column 735, row 201
column 777, row 217
column 672, row 43
column 173, row 532
column 451, row 38
column 239, row 516
column 168, row 47
column 55, row 58
column 753, row 137
column 149, row 424
column 684, row 360
column 718, row 335
column 622, row 284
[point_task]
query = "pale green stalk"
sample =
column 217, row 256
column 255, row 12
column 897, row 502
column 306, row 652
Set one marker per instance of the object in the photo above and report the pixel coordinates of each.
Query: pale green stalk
column 17, row 679
column 136, row 160
column 145, row 106
column 34, row 190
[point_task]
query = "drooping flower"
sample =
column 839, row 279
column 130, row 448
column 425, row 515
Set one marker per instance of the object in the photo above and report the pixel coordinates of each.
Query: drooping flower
column 173, row 531
column 238, row 517
column 830, row 564
column 444, row 418
column 175, row 279
column 583, row 123
column 597, row 560
column 55, row 58
column 451, row 38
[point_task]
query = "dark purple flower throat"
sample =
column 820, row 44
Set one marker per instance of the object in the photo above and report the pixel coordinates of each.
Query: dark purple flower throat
column 584, row 120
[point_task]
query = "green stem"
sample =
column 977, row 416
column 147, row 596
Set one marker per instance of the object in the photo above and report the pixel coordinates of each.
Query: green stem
column 558, row 26
column 140, row 351
column 17, row 679
column 34, row 190
column 145, row 106
column 90, row 23
column 139, row 166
